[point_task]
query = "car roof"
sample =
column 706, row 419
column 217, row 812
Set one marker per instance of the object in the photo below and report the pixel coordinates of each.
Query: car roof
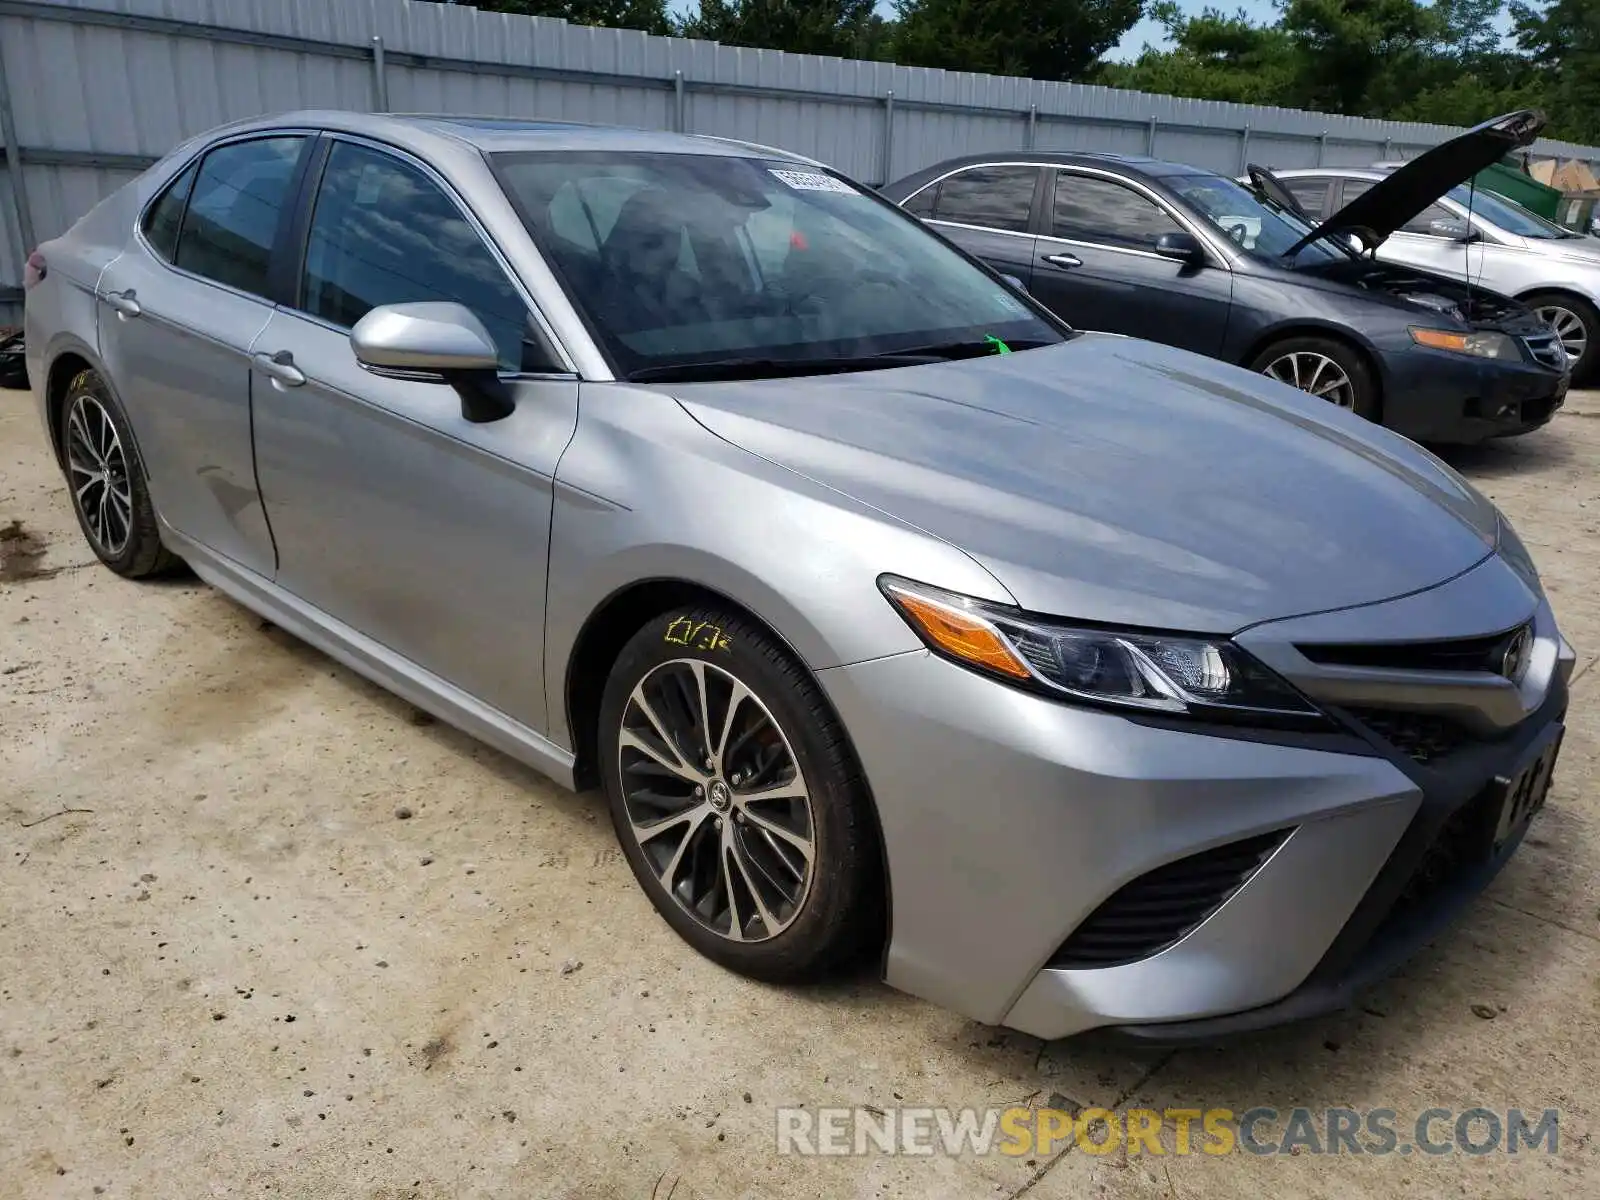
column 1351, row 172
column 1132, row 164
column 510, row 134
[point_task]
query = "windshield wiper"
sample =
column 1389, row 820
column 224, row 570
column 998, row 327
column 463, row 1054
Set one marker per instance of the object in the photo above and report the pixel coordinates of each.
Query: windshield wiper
column 779, row 368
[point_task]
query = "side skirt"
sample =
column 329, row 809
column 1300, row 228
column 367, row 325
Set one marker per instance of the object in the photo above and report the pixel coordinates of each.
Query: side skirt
column 375, row 661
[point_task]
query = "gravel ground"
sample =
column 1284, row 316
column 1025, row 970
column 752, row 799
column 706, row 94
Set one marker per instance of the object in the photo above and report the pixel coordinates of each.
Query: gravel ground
column 267, row 929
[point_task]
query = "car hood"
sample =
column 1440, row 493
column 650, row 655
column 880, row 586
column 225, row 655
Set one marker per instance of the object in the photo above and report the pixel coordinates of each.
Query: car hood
column 1115, row 480
column 1409, row 189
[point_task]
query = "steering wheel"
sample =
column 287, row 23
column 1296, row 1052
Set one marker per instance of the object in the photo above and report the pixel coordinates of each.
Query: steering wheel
column 1238, row 233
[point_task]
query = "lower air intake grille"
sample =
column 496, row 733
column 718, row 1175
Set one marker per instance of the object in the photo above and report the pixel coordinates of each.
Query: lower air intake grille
column 1160, row 907
column 1422, row 737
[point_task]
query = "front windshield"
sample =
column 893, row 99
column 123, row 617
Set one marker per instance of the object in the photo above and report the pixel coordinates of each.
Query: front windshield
column 681, row 262
column 1256, row 224
column 1508, row 215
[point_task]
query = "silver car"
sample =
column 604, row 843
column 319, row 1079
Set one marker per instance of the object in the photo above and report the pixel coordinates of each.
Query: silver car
column 1477, row 236
column 1078, row 681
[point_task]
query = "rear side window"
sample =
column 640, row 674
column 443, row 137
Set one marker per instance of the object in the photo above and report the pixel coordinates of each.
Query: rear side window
column 991, row 197
column 383, row 233
column 161, row 218
column 233, row 212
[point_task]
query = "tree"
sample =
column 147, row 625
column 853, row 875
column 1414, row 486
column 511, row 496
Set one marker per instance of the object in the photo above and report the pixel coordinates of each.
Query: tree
column 1563, row 39
column 1042, row 39
column 1213, row 57
column 844, row 28
column 648, row 15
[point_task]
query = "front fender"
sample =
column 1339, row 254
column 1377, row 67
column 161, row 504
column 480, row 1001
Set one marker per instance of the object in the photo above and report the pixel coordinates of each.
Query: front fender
column 644, row 492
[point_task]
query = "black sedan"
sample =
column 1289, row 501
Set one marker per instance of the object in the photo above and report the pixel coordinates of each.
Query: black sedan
column 1180, row 255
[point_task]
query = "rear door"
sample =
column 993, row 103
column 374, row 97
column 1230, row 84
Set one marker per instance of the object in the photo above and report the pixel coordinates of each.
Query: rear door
column 393, row 513
column 1098, row 269
column 179, row 313
column 987, row 210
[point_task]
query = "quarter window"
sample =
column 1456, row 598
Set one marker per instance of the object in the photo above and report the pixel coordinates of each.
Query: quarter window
column 383, row 233
column 161, row 219
column 1090, row 209
column 990, row 197
column 232, row 217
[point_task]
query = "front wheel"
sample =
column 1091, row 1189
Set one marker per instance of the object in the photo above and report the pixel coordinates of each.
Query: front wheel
column 1324, row 368
column 736, row 797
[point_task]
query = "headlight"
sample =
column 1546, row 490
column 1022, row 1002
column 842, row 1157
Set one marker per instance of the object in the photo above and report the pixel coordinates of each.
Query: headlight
column 1482, row 344
column 1208, row 677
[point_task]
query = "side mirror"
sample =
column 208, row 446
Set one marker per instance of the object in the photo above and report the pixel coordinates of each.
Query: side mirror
column 1015, row 282
column 1181, row 246
column 435, row 338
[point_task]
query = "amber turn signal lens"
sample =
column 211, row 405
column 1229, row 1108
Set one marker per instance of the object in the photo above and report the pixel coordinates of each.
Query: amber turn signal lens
column 1439, row 339
column 959, row 634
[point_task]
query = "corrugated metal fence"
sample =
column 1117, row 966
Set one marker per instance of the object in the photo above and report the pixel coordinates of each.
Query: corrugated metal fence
column 92, row 91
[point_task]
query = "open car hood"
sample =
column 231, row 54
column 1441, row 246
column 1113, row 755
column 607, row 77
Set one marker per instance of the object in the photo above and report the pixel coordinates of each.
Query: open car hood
column 1393, row 201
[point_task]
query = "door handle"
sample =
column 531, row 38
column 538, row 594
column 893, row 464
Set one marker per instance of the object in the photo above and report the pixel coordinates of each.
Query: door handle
column 123, row 303
column 280, row 368
column 1063, row 260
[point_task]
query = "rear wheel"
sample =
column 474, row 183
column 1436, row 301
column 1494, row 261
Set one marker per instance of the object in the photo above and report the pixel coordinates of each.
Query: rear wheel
column 736, row 799
column 1576, row 322
column 1325, row 368
column 106, row 480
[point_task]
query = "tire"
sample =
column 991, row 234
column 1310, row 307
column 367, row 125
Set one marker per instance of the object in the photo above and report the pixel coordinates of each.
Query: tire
column 1559, row 310
column 1312, row 357
column 815, row 914
column 106, row 481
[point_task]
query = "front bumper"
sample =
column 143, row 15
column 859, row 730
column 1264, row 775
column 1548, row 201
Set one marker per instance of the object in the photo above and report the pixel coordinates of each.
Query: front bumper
column 1009, row 819
column 1438, row 396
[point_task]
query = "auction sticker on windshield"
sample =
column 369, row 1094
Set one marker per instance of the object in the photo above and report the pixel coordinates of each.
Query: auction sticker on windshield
column 813, row 181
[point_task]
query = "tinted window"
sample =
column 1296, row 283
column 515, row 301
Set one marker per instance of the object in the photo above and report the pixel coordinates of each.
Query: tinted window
column 162, row 217
column 1097, row 210
column 1354, row 188
column 383, row 233
column 921, row 205
column 1252, row 222
column 993, row 197
column 686, row 261
column 1310, row 194
column 233, row 212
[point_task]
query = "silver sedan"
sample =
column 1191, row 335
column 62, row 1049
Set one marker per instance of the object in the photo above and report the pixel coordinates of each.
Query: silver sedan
column 1077, row 680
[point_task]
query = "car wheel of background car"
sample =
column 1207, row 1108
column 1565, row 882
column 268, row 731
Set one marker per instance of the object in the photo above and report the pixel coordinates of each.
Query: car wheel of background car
column 1576, row 323
column 106, row 479
column 737, row 798
column 13, row 364
column 1325, row 368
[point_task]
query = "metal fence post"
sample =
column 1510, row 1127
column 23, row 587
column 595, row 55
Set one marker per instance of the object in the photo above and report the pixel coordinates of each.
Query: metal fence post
column 1150, row 138
column 13, row 157
column 1033, row 125
column 1244, row 148
column 1322, row 147
column 888, row 137
column 1388, row 149
column 380, row 81
column 680, row 113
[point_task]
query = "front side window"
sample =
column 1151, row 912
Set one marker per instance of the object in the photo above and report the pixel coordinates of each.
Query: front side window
column 1254, row 223
column 990, row 197
column 161, row 219
column 383, row 233
column 1090, row 209
column 1309, row 194
column 725, row 263
column 234, row 207
column 1435, row 221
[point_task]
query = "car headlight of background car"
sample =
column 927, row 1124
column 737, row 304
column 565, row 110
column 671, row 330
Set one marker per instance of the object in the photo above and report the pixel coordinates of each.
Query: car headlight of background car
column 1482, row 343
column 1154, row 672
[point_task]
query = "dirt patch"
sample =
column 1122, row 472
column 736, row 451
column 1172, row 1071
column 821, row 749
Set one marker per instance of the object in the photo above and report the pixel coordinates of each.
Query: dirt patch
column 20, row 552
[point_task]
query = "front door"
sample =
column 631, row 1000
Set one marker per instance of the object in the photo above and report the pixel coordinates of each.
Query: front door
column 392, row 512
column 1098, row 269
column 179, row 312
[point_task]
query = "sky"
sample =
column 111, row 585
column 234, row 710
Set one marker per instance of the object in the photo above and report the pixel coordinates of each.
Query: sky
column 1132, row 43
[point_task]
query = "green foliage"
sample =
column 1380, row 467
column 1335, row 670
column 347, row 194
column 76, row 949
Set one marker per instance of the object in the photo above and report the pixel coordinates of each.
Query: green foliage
column 845, row 28
column 1563, row 39
column 1043, row 39
column 648, row 15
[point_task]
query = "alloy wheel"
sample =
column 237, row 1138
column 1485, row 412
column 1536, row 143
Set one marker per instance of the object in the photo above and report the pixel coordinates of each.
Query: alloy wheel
column 98, row 474
column 1567, row 326
column 1314, row 373
column 716, row 801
